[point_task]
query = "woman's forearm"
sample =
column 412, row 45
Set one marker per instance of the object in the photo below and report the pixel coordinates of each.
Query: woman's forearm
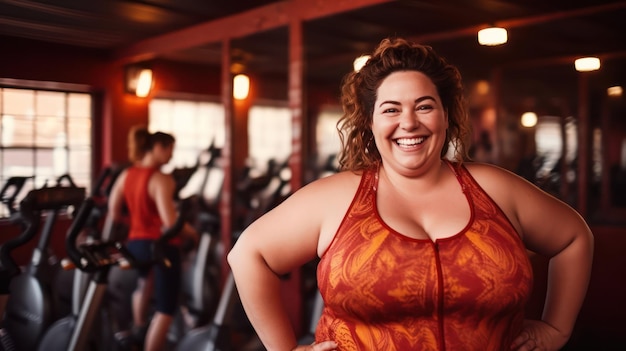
column 568, row 278
column 259, row 290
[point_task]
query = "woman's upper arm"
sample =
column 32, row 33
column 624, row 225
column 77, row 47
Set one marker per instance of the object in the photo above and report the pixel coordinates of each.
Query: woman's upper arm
column 116, row 197
column 161, row 189
column 288, row 236
column 548, row 224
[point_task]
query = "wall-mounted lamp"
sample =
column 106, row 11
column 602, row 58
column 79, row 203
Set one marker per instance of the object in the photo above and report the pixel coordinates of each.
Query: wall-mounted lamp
column 492, row 36
column 139, row 80
column 241, row 86
column 586, row 64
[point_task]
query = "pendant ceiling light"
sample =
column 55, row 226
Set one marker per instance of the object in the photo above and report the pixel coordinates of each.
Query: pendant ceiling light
column 614, row 91
column 586, row 64
column 492, row 36
column 529, row 119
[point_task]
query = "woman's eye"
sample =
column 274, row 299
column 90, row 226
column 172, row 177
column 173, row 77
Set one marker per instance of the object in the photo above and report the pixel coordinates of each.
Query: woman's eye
column 424, row 107
column 390, row 110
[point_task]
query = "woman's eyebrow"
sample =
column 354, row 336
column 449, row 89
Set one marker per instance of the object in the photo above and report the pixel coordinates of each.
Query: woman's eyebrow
column 417, row 101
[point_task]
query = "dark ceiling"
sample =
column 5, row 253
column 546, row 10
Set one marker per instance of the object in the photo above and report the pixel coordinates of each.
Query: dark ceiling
column 543, row 35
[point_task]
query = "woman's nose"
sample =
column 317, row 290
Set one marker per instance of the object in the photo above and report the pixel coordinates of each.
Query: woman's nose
column 409, row 121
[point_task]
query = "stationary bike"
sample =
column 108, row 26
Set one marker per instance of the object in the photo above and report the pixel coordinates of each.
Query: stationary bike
column 75, row 332
column 263, row 193
column 36, row 301
column 29, row 215
column 10, row 191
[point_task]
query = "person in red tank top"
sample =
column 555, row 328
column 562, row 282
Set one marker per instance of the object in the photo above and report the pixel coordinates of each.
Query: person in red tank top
column 148, row 195
column 420, row 249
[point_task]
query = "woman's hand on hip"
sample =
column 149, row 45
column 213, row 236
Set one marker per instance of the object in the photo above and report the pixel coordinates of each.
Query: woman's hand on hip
column 539, row 336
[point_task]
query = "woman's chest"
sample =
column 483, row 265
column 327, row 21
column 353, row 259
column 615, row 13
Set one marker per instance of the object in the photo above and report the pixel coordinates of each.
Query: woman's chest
column 419, row 216
column 373, row 272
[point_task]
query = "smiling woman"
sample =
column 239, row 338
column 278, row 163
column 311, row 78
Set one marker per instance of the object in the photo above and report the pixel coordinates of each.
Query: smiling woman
column 417, row 252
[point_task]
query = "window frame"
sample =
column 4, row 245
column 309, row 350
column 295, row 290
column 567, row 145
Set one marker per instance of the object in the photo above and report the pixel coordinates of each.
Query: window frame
column 92, row 147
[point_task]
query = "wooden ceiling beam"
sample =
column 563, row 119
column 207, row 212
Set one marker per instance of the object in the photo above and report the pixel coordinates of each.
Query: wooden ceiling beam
column 430, row 38
column 257, row 20
column 519, row 22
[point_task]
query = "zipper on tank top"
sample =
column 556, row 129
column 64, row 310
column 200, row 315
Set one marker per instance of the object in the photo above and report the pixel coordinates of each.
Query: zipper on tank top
column 440, row 302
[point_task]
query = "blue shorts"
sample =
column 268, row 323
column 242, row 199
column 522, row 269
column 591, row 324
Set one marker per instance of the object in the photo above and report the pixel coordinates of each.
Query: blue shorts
column 167, row 280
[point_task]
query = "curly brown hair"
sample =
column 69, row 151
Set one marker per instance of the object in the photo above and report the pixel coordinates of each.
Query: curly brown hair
column 359, row 91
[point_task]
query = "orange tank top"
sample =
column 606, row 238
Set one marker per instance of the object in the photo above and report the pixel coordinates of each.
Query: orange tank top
column 385, row 291
column 145, row 222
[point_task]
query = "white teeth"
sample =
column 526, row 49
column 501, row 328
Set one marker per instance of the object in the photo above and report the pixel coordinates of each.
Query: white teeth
column 410, row 141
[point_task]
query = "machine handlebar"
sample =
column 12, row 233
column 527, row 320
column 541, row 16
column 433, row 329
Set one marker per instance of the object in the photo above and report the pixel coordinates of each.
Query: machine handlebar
column 52, row 198
column 95, row 256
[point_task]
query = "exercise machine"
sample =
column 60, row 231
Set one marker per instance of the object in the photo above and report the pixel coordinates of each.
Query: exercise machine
column 263, row 194
column 201, row 271
column 29, row 215
column 34, row 303
column 63, row 286
column 11, row 189
column 99, row 193
column 75, row 332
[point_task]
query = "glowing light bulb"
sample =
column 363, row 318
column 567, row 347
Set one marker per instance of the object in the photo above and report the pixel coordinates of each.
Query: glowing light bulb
column 144, row 83
column 492, row 36
column 359, row 62
column 529, row 119
column 586, row 64
column 241, row 86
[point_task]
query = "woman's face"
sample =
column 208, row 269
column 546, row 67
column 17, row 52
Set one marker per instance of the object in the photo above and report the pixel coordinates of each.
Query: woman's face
column 409, row 122
column 163, row 153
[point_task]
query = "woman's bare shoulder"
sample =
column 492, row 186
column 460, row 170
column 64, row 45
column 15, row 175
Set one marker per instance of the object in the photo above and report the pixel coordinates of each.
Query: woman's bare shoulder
column 324, row 197
column 328, row 200
column 502, row 185
column 340, row 177
column 487, row 174
column 339, row 184
column 162, row 177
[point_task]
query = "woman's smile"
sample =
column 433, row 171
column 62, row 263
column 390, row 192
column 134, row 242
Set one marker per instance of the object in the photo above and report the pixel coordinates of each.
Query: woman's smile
column 409, row 143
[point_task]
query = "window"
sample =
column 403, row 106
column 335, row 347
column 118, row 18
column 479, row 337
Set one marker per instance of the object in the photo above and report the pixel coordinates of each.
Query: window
column 328, row 141
column 269, row 133
column 195, row 125
column 549, row 141
column 43, row 135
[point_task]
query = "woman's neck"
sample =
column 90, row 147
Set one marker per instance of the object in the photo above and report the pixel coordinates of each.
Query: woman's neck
column 148, row 162
column 423, row 182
